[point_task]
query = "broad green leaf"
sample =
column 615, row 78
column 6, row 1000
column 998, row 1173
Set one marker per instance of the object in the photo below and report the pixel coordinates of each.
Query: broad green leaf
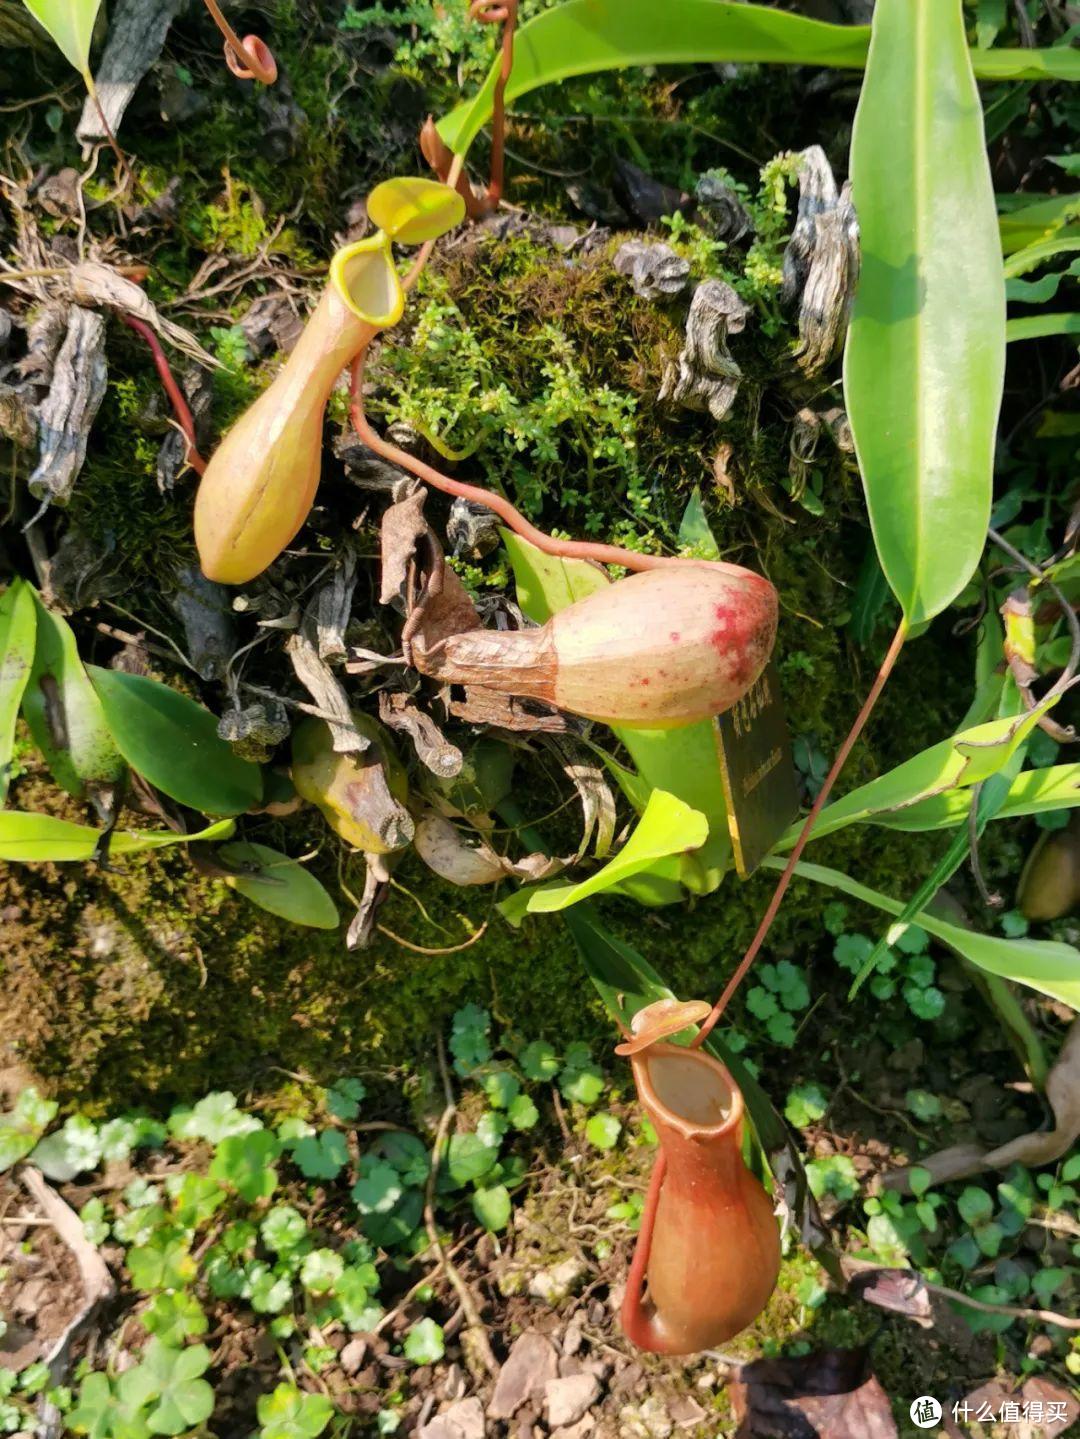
column 1038, row 327
column 64, row 714
column 289, row 1413
column 491, row 1206
column 278, row 884
column 547, row 584
column 70, row 24
column 580, row 37
column 925, row 357
column 1045, row 965
column 170, row 1380
column 173, row 743
column 667, row 827
column 694, row 531
column 29, row 837
column 989, row 19
column 966, row 759
column 18, row 628
column 424, row 1342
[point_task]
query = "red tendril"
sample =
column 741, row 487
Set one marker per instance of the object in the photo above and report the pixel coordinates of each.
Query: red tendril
column 172, row 389
column 504, row 13
column 248, row 59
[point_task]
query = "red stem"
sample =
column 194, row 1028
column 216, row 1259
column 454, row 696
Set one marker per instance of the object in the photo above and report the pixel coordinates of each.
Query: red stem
column 248, row 59
column 172, row 389
column 887, row 664
column 512, row 518
column 506, row 15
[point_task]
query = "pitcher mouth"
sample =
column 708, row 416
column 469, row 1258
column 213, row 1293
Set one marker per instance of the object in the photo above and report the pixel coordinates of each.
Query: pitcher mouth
column 688, row 1090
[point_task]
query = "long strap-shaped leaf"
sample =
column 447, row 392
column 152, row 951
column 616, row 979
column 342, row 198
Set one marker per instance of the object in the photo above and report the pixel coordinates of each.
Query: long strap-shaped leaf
column 584, row 36
column 925, row 358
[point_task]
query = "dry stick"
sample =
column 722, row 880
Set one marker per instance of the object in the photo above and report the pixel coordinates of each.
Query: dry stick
column 172, row 389
column 248, row 59
column 125, row 168
column 887, row 664
column 481, row 1344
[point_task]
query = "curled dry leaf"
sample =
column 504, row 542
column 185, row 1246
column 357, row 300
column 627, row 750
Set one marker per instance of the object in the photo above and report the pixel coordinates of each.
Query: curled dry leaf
column 724, row 214
column 706, row 377
column 332, row 607
column 402, row 529
column 376, row 888
column 832, row 1394
column 821, row 262
column 1042, row 1146
column 446, row 850
column 205, row 612
column 94, row 284
column 65, row 416
column 472, row 529
column 655, row 271
column 400, row 712
column 330, row 698
column 901, row 1291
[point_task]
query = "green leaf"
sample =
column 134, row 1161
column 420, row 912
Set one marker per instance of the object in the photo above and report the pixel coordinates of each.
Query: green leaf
column 539, row 1061
column 320, row 1156
column 288, row 1413
column 805, row 1103
column 967, row 758
column 1032, row 256
column 343, row 1098
column 174, row 1317
column 925, row 357
column 378, row 1188
column 278, row 884
column 975, row 1205
column 1033, row 222
column 581, row 37
column 547, row 584
column 667, row 827
column 70, row 24
column 603, row 1130
column 64, row 714
column 424, row 1343
column 174, row 744
column 23, row 1126
column 989, row 19
column 321, row 1270
column 37, row 837
column 492, row 1207
column 1038, row 327
column 468, row 1158
column 1048, row 966
column 283, row 1229
column 694, row 531
column 245, row 1162
column 523, row 1113
column 18, row 629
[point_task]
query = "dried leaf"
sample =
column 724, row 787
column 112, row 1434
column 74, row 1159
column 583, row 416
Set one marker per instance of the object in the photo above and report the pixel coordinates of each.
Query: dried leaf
column 332, row 608
column 1042, row 1146
column 94, row 284
column 446, row 851
column 901, row 1291
column 137, row 30
column 205, row 611
column 68, row 411
column 403, row 527
column 706, row 377
column 821, row 263
column 376, row 888
column 1036, row 1395
column 724, row 214
column 329, row 697
column 472, row 530
column 828, row 1395
column 655, row 271
column 400, row 712
column 482, row 707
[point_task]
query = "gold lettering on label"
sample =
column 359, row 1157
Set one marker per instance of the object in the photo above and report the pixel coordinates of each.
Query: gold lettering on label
column 751, row 782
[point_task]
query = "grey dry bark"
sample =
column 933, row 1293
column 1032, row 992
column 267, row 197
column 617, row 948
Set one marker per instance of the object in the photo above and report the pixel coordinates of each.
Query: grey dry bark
column 706, row 376
column 68, row 410
column 137, row 30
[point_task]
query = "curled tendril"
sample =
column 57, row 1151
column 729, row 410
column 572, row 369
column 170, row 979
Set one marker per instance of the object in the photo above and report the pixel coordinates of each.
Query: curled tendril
column 248, row 59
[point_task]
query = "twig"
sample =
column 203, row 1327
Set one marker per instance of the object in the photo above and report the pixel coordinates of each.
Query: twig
column 1044, row 1316
column 424, row 949
column 478, row 1355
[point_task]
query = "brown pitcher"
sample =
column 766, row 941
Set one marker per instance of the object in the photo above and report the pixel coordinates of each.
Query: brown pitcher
column 709, row 1242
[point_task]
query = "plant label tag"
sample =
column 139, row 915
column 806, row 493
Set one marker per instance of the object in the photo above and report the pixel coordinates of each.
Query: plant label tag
column 757, row 771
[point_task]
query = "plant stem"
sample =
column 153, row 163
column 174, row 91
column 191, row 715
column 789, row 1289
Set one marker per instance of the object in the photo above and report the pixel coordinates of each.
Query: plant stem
column 172, row 389
column 887, row 665
column 125, row 168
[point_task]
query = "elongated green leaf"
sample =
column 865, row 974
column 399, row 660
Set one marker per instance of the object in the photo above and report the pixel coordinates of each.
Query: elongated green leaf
column 668, row 827
column 546, row 584
column 174, row 744
column 991, row 796
column 580, row 37
column 70, row 23
column 34, row 837
column 64, row 713
column 965, row 759
column 1041, row 964
column 1032, row 224
column 1035, row 791
column 1038, row 327
column 18, row 628
column 925, row 357
column 1031, row 256
column 278, row 884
